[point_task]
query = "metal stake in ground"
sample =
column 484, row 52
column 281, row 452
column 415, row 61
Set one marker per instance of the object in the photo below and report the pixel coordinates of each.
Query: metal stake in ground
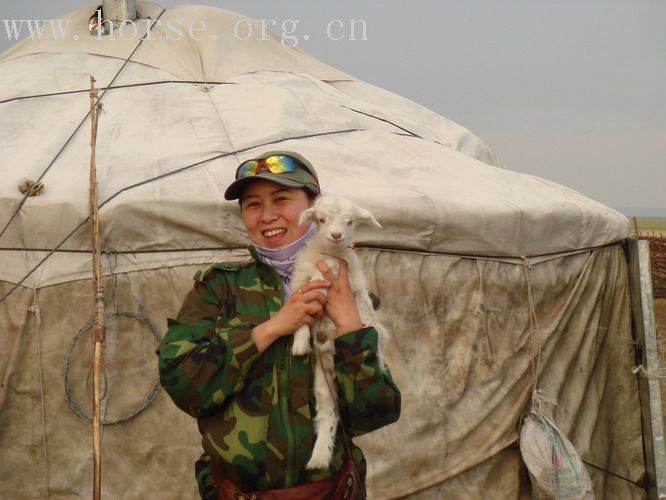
column 98, row 333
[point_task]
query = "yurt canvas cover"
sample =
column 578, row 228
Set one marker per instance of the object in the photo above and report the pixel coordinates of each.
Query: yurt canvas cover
column 492, row 282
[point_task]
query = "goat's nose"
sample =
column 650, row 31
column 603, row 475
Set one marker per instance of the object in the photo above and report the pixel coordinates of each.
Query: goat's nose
column 336, row 236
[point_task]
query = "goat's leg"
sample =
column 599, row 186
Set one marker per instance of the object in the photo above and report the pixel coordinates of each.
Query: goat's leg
column 301, row 345
column 326, row 332
column 326, row 419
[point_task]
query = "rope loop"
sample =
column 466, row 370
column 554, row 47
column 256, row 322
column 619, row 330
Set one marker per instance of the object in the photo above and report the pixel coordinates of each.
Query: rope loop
column 659, row 373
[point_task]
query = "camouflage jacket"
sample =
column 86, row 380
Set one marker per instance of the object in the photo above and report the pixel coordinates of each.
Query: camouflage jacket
column 255, row 411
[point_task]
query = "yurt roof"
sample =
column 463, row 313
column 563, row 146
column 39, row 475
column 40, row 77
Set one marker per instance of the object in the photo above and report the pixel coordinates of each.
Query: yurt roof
column 180, row 115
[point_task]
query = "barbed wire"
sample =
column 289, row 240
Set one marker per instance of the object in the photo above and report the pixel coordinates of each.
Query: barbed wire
column 152, row 394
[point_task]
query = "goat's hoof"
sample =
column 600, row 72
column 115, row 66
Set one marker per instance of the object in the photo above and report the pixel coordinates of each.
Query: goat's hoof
column 327, row 346
column 301, row 348
column 317, row 462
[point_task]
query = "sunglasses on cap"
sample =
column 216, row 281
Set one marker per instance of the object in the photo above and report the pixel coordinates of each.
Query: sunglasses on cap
column 276, row 164
column 282, row 167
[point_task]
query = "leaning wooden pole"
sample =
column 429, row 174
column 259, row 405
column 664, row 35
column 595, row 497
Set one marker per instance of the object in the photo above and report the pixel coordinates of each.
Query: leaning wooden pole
column 649, row 383
column 98, row 334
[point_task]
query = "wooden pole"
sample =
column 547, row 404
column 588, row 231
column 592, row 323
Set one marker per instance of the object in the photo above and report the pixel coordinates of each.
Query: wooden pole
column 637, row 233
column 98, row 334
column 649, row 385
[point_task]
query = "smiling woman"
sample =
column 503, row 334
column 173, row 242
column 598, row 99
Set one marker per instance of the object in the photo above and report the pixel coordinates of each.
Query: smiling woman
column 270, row 213
column 226, row 359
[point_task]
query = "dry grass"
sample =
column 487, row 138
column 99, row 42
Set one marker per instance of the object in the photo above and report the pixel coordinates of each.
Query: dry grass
column 660, row 320
column 658, row 264
column 654, row 230
column 648, row 226
column 658, row 261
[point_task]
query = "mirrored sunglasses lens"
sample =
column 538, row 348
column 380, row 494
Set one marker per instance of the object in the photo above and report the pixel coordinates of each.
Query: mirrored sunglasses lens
column 248, row 168
column 275, row 164
column 280, row 164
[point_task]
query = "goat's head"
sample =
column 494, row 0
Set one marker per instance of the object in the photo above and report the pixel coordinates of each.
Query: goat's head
column 336, row 219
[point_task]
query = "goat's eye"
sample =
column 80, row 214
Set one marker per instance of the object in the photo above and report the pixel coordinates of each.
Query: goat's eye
column 321, row 220
column 349, row 223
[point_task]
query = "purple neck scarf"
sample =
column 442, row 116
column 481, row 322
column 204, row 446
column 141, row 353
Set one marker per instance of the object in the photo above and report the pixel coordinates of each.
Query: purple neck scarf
column 283, row 259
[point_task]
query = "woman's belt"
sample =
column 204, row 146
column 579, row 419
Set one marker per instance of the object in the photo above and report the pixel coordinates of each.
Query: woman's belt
column 343, row 486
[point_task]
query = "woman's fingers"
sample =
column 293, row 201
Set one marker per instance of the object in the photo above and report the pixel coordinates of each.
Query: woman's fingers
column 325, row 270
column 307, row 305
column 315, row 309
column 343, row 270
column 308, row 320
column 310, row 292
column 340, row 301
column 313, row 285
column 314, row 296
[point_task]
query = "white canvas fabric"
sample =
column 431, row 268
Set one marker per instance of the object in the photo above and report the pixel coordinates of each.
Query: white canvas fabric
column 165, row 152
column 461, row 351
column 461, row 237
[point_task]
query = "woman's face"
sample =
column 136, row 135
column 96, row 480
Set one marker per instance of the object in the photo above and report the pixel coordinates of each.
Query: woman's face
column 270, row 213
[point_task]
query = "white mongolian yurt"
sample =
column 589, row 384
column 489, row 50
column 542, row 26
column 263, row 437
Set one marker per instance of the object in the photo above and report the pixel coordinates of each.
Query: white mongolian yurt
column 493, row 284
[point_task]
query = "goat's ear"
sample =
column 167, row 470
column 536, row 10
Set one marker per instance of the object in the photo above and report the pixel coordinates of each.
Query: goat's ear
column 306, row 215
column 363, row 215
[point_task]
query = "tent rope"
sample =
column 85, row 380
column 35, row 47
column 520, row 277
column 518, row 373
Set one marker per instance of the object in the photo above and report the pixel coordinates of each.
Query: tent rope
column 57, row 249
column 659, row 373
column 370, row 115
column 156, row 178
column 638, row 484
column 34, row 308
column 112, row 257
column 538, row 398
column 518, row 259
column 112, row 87
column 130, row 251
column 123, row 252
column 78, row 127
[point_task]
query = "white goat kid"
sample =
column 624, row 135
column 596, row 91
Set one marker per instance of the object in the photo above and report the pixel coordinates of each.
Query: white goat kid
column 336, row 219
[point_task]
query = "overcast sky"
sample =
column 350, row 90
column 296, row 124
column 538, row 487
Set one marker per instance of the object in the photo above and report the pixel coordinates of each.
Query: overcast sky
column 567, row 90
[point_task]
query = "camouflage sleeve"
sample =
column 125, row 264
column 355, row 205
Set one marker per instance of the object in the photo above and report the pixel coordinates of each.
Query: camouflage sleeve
column 200, row 365
column 369, row 397
column 205, row 481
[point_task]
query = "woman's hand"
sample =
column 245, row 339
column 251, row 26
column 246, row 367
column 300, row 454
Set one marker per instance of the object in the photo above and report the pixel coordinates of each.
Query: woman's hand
column 304, row 307
column 340, row 303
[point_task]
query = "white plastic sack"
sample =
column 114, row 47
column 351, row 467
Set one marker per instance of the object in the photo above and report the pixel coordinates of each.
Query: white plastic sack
column 556, row 471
